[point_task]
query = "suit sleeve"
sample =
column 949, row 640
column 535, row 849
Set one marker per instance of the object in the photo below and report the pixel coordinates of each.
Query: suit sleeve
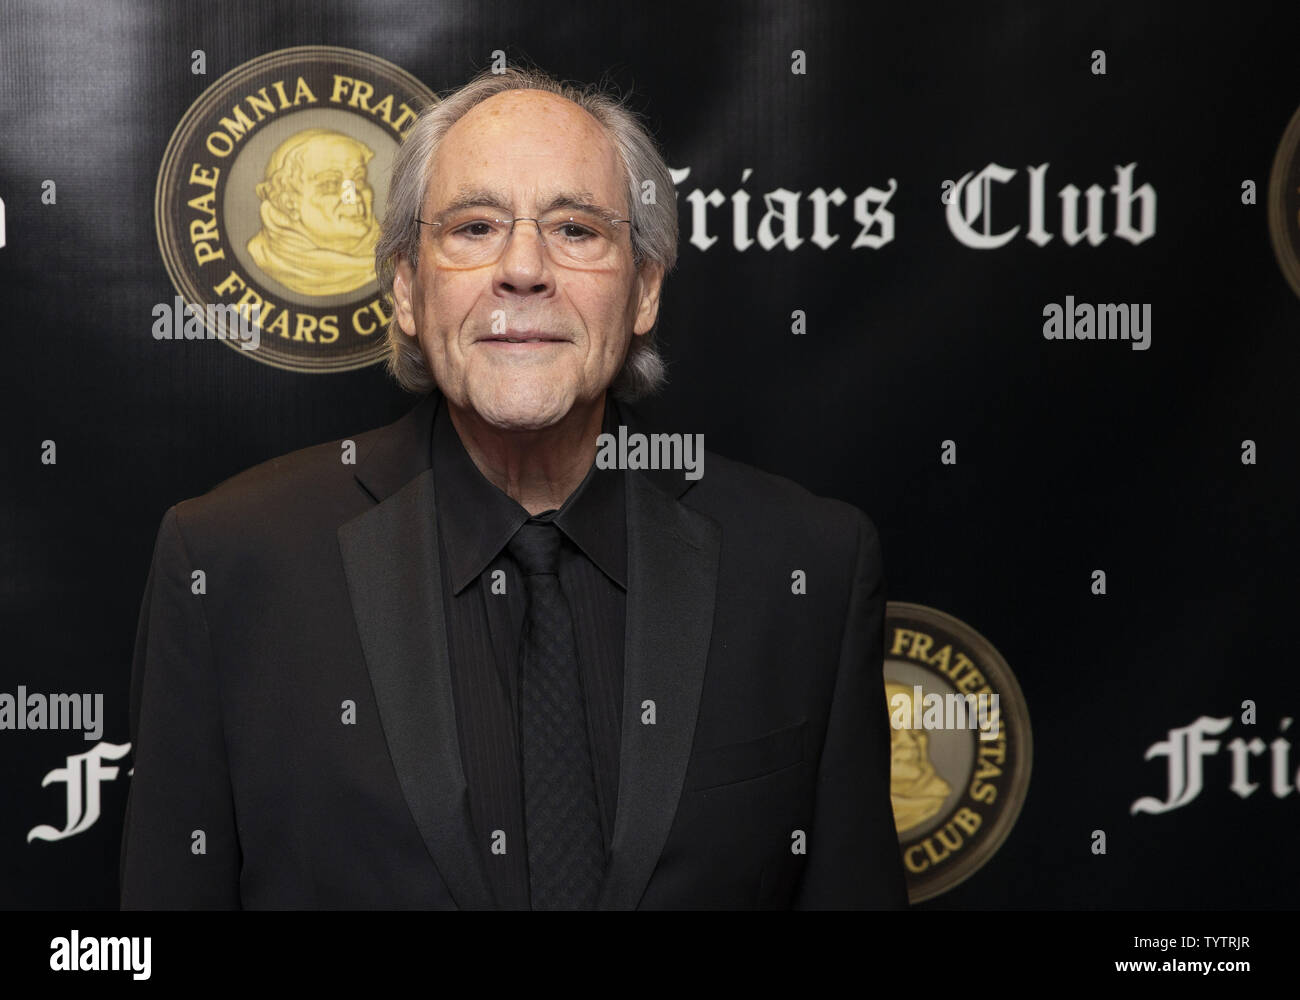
column 181, row 779
column 854, row 860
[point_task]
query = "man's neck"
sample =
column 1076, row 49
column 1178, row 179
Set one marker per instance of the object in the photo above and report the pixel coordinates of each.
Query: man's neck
column 537, row 469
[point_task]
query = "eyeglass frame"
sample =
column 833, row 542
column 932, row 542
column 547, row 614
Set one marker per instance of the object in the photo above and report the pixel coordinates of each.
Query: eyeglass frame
column 540, row 235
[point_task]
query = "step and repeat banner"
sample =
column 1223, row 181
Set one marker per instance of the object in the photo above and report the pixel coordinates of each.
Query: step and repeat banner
column 1022, row 283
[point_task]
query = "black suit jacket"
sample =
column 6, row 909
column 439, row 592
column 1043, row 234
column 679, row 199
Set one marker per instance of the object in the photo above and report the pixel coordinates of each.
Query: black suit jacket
column 294, row 729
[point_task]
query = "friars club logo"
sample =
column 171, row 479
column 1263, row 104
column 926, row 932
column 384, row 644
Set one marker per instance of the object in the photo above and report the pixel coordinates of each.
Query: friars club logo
column 961, row 746
column 1284, row 203
column 270, row 196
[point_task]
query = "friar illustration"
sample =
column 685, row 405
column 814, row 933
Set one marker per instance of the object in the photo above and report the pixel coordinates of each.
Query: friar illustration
column 319, row 229
column 915, row 787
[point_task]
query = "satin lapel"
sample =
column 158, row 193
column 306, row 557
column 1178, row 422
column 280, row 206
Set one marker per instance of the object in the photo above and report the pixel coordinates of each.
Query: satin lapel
column 672, row 578
column 390, row 554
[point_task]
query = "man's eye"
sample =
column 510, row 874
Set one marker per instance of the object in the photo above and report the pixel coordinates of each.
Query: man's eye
column 574, row 231
column 479, row 228
column 328, row 187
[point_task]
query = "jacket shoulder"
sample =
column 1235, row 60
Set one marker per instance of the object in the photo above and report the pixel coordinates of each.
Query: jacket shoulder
column 738, row 486
column 750, row 502
column 315, row 485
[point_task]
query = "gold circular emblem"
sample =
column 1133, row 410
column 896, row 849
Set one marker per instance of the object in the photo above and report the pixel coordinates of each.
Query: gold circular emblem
column 269, row 201
column 961, row 747
column 1284, row 203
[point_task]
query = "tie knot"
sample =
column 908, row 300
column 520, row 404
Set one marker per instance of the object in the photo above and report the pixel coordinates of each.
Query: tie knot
column 536, row 547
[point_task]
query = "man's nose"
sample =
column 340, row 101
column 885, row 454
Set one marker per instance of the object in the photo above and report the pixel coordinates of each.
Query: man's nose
column 524, row 266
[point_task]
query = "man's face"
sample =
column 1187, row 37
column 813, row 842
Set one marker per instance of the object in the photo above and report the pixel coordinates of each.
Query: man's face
column 335, row 202
column 530, row 146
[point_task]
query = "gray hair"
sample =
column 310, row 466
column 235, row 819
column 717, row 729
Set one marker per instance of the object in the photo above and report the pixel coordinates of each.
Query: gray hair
column 653, row 229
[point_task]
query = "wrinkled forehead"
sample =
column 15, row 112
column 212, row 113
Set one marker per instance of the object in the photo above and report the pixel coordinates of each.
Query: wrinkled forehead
column 529, row 150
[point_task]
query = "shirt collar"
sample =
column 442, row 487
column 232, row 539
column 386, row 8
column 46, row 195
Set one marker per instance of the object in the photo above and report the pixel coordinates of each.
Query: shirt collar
column 477, row 519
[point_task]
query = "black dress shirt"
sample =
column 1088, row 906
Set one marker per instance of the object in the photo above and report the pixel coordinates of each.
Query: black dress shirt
column 484, row 625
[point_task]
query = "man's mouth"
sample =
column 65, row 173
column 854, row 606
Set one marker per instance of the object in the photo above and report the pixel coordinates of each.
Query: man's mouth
column 525, row 337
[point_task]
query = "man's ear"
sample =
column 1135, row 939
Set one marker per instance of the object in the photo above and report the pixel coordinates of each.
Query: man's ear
column 650, row 281
column 403, row 278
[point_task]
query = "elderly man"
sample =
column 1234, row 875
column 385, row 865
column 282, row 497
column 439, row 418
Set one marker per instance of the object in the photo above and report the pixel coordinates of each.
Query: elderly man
column 479, row 669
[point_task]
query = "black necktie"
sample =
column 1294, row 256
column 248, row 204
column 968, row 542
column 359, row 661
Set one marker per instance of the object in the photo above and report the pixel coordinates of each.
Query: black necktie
column 561, row 814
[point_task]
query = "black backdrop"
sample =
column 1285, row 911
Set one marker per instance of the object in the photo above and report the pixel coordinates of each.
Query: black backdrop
column 1072, row 455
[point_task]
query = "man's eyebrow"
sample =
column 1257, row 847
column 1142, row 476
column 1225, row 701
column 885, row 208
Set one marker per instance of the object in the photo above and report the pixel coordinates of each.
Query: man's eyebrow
column 488, row 198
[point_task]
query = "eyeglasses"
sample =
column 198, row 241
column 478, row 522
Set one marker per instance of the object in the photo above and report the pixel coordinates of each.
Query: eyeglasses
column 579, row 239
